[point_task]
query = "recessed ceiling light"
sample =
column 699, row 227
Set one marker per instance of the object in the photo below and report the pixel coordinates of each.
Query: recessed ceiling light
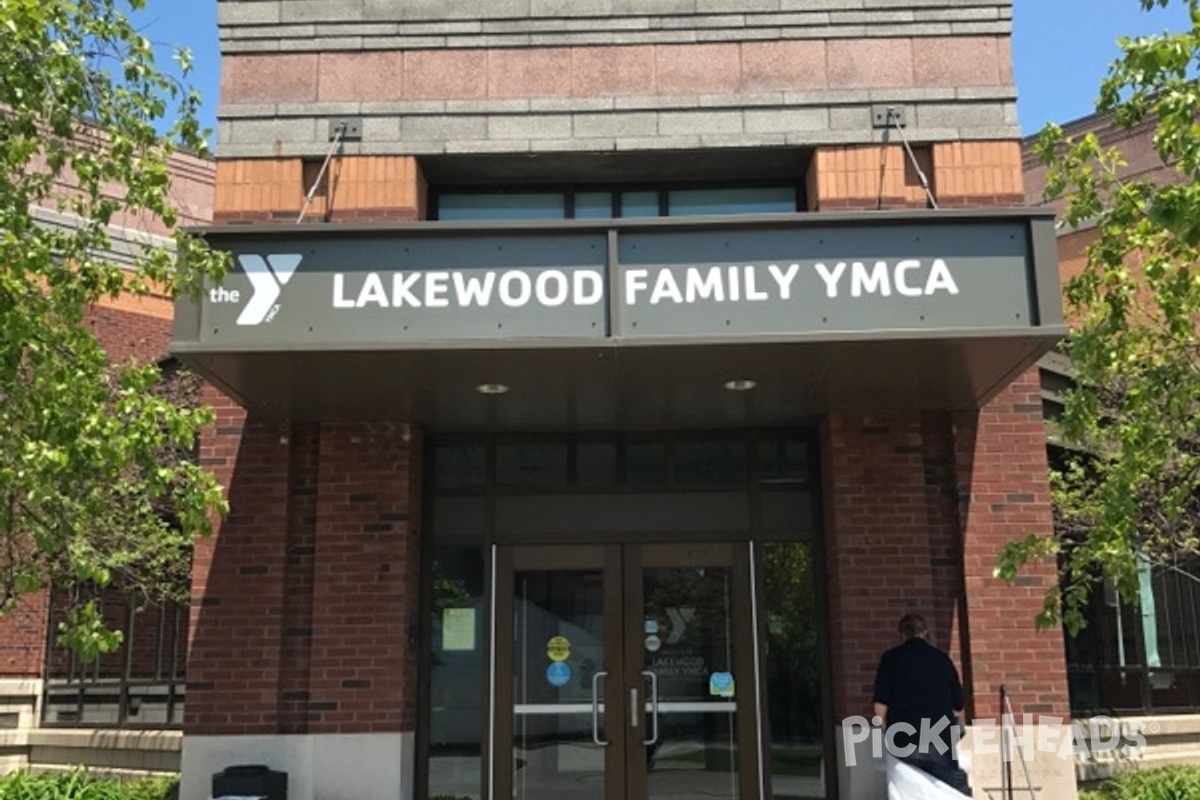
column 491, row 388
column 740, row 385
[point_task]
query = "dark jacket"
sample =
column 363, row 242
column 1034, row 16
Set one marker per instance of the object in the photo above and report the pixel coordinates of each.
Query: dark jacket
column 918, row 682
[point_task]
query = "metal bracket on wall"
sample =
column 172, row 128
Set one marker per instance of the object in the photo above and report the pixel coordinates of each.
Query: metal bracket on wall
column 888, row 117
column 894, row 118
column 350, row 127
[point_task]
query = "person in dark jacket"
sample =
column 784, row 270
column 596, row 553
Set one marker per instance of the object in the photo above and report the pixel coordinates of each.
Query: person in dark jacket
column 917, row 685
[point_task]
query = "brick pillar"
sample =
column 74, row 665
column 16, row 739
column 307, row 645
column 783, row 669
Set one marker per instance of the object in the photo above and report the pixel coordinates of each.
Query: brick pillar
column 890, row 548
column 303, row 479
column 1003, row 485
column 877, row 544
column 354, row 189
column 366, row 581
column 303, row 651
column 1000, row 454
column 306, row 599
column 948, row 612
column 238, row 580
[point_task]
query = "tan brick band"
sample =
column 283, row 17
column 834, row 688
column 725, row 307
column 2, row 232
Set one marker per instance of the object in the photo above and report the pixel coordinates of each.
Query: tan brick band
column 355, row 188
column 960, row 174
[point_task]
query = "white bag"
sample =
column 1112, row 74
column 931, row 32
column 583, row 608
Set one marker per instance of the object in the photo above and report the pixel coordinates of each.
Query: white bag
column 906, row 782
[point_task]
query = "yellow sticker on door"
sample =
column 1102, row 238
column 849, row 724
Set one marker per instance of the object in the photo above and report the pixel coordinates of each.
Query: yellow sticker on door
column 558, row 648
column 720, row 684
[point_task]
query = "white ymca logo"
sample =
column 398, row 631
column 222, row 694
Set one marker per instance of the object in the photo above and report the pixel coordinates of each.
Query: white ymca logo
column 267, row 277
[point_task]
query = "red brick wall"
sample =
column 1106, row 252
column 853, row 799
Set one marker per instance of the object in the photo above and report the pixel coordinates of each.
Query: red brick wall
column 917, row 509
column 308, row 594
column 298, row 578
column 889, row 540
column 237, row 580
column 945, row 534
column 1004, row 495
column 125, row 334
column 366, row 581
column 23, row 638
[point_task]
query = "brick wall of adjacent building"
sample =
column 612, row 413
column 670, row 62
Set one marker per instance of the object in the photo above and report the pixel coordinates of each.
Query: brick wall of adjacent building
column 128, row 327
column 143, row 334
column 1140, row 162
column 23, row 638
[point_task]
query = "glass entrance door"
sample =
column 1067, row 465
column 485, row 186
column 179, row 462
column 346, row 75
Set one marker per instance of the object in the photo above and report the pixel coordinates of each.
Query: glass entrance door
column 627, row 672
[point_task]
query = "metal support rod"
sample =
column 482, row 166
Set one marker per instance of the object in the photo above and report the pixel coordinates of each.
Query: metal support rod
column 894, row 118
column 1006, row 710
column 491, row 754
column 758, row 705
column 1006, row 784
column 312, row 190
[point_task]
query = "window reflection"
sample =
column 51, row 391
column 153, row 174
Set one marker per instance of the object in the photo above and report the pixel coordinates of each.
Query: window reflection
column 601, row 204
column 498, row 206
column 793, row 671
column 754, row 200
column 456, row 672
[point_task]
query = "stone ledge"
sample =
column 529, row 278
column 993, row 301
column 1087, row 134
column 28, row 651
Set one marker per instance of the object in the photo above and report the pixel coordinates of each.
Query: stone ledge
column 1176, row 741
column 809, row 138
column 330, row 43
column 615, row 105
column 90, row 738
column 20, row 688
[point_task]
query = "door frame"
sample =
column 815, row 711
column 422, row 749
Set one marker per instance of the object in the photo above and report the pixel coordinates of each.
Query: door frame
column 622, row 566
column 486, row 489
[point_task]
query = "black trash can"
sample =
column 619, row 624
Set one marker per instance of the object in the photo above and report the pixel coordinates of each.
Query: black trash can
column 250, row 780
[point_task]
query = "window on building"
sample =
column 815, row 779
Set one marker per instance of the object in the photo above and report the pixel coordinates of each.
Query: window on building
column 140, row 685
column 501, row 206
column 489, row 204
column 1140, row 654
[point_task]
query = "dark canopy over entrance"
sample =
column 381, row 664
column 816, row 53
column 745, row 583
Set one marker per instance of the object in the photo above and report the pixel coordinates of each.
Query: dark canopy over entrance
column 627, row 324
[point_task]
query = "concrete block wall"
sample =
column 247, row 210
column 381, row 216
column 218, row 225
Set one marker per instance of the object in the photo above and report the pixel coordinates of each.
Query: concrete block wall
column 542, row 76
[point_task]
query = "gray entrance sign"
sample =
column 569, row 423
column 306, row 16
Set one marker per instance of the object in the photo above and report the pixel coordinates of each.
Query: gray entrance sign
column 810, row 280
column 796, row 277
column 322, row 291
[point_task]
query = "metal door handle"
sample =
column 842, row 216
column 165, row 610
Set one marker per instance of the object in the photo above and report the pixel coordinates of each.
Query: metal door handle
column 653, row 706
column 634, row 712
column 596, row 709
